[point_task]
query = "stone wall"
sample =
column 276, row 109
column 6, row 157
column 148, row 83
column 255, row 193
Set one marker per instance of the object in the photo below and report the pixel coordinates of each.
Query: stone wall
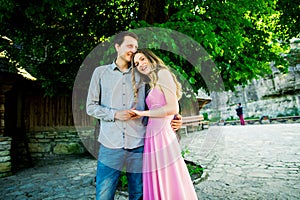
column 46, row 144
column 5, row 158
column 278, row 95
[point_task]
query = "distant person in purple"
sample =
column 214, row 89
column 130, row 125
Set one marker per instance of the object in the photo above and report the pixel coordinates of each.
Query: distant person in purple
column 239, row 112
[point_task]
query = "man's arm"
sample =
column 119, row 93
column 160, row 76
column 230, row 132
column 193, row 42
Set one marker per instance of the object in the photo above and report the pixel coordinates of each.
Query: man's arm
column 93, row 108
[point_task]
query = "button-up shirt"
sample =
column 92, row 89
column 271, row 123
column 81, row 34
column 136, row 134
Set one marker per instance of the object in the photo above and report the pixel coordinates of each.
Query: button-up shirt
column 116, row 92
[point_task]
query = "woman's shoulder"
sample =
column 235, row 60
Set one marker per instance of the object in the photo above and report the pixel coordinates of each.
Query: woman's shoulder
column 164, row 72
column 165, row 78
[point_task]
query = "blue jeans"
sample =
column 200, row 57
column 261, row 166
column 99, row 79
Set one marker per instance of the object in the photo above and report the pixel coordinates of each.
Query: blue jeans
column 110, row 164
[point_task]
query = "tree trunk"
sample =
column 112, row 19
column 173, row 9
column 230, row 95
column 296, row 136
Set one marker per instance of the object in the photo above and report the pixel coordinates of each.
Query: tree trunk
column 152, row 11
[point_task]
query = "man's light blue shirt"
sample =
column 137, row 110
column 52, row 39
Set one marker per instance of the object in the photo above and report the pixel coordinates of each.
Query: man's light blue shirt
column 117, row 93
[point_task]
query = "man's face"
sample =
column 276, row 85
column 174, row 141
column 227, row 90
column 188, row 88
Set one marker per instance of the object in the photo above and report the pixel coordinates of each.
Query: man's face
column 127, row 48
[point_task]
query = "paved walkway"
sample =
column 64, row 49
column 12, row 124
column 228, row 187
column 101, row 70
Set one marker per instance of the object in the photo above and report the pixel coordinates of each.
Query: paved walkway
column 241, row 162
column 248, row 162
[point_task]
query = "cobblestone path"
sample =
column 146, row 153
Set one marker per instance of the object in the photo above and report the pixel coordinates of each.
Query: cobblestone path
column 241, row 162
column 248, row 162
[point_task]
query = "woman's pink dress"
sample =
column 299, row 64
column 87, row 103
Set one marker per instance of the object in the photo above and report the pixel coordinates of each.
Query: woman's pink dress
column 165, row 175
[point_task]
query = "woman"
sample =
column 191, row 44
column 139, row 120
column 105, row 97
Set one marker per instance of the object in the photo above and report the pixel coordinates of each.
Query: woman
column 165, row 175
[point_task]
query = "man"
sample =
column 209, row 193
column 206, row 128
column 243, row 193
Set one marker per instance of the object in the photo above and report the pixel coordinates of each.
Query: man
column 239, row 112
column 121, row 135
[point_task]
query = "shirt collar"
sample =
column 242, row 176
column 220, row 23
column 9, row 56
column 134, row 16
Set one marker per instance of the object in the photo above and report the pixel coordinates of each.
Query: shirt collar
column 115, row 67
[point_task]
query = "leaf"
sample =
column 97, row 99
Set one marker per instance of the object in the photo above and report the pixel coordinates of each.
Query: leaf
column 192, row 80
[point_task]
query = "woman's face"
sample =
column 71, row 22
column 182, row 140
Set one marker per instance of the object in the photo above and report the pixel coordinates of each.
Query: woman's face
column 142, row 64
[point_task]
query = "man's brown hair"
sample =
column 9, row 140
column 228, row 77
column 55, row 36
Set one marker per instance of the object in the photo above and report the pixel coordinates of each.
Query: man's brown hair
column 119, row 38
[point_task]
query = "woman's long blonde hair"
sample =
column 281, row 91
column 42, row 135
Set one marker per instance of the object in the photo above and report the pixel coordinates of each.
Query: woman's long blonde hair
column 156, row 65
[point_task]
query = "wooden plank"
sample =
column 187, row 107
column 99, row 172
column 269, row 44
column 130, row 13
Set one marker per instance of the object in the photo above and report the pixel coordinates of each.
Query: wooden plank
column 191, row 121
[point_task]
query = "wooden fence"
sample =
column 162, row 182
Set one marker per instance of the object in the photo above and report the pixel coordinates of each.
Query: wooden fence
column 46, row 113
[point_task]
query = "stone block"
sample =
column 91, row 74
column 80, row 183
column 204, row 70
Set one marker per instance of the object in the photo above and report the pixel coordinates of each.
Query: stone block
column 4, row 153
column 4, row 159
column 44, row 140
column 5, row 139
column 39, row 135
column 4, row 147
column 68, row 148
column 39, row 147
column 5, row 174
column 5, row 167
column 72, row 134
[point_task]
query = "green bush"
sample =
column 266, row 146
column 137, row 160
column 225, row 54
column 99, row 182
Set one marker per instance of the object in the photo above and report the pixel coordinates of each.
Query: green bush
column 294, row 111
column 281, row 115
column 205, row 116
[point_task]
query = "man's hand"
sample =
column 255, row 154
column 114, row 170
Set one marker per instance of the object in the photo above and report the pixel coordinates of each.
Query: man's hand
column 176, row 123
column 124, row 115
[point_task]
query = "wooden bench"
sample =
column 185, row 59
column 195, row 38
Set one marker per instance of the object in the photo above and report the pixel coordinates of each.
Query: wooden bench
column 195, row 120
column 204, row 124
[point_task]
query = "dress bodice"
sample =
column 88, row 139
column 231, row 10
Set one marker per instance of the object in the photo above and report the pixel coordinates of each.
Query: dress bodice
column 155, row 99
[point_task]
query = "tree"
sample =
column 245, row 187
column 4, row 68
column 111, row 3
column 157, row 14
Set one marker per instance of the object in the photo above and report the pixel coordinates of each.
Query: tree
column 51, row 38
column 289, row 19
column 240, row 36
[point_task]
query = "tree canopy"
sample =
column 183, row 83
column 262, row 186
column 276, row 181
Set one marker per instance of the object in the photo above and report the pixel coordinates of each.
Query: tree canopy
column 51, row 38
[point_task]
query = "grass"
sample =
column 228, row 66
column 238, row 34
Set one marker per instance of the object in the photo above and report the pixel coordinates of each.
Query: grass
column 195, row 171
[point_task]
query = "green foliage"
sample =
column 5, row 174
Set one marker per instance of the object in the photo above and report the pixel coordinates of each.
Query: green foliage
column 251, row 118
column 123, row 184
column 240, row 36
column 51, row 38
column 205, row 116
column 185, row 151
column 294, row 111
column 289, row 19
column 215, row 119
column 281, row 115
column 195, row 170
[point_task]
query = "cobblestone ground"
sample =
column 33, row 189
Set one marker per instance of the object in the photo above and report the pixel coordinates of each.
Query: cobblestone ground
column 70, row 177
column 241, row 162
column 248, row 162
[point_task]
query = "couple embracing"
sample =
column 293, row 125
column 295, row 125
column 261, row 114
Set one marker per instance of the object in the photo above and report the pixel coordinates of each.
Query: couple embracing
column 148, row 152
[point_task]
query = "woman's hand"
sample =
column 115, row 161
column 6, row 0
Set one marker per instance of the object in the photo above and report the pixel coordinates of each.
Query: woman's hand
column 124, row 115
column 136, row 114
